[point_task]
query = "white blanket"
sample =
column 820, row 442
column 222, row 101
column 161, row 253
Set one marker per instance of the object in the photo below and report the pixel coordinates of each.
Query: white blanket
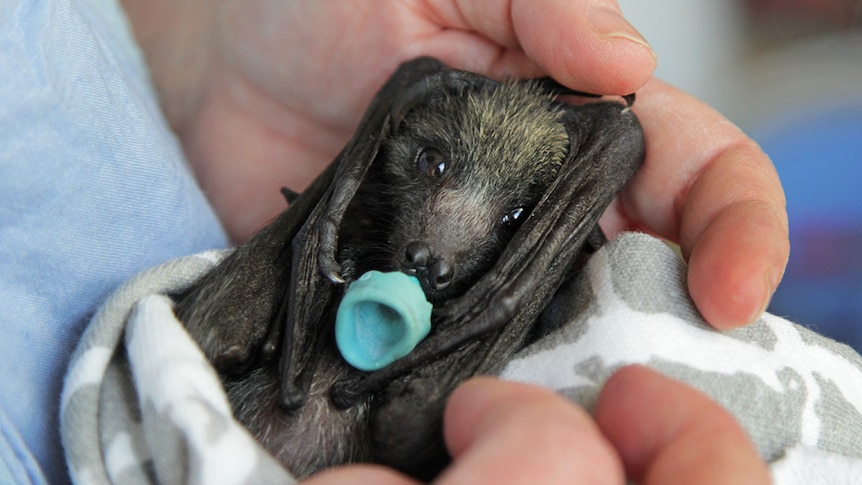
column 142, row 405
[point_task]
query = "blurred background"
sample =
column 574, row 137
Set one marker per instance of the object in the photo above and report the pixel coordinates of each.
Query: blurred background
column 789, row 73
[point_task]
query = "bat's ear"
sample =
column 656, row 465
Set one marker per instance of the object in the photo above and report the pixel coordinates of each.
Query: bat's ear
column 607, row 136
column 553, row 87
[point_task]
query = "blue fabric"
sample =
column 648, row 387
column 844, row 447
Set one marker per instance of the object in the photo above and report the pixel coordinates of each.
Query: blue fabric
column 818, row 155
column 93, row 189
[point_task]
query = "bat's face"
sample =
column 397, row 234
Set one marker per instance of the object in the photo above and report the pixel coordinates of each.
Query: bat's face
column 459, row 176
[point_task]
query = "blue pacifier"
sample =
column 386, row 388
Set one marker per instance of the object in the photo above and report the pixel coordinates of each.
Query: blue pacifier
column 381, row 318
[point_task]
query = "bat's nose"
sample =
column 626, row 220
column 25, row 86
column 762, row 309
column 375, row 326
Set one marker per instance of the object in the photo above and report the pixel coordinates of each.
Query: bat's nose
column 417, row 255
column 440, row 274
column 419, row 260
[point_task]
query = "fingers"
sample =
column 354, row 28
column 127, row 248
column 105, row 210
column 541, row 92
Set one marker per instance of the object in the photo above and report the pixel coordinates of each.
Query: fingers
column 504, row 432
column 708, row 186
column 584, row 44
column 663, row 431
column 360, row 475
column 738, row 259
column 669, row 433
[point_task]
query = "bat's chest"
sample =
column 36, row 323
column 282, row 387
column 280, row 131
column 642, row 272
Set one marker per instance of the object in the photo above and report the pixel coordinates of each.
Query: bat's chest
column 312, row 437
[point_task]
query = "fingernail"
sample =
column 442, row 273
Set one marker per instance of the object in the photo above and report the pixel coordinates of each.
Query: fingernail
column 773, row 278
column 607, row 21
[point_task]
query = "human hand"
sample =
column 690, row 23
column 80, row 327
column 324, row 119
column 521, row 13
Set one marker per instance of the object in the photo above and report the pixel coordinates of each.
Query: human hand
column 264, row 93
column 648, row 428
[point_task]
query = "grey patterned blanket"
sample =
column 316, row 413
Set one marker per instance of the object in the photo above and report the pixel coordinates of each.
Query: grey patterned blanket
column 142, row 405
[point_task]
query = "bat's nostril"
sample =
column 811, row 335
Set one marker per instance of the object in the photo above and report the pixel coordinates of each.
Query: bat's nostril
column 440, row 274
column 417, row 254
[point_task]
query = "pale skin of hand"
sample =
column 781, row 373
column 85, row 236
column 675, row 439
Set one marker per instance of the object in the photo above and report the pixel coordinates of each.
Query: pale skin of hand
column 647, row 427
column 264, row 93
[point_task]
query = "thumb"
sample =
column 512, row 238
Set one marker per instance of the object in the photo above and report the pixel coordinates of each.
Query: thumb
column 595, row 49
column 585, row 44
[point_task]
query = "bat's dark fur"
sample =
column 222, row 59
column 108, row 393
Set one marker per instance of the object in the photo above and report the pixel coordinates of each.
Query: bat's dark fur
column 485, row 191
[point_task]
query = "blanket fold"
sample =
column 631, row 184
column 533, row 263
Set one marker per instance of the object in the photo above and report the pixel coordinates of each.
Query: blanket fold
column 142, row 405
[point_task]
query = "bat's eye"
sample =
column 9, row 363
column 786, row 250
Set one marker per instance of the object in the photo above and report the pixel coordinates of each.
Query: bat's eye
column 513, row 218
column 431, row 162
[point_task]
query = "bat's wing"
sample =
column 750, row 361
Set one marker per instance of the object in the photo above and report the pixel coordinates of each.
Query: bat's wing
column 229, row 312
column 477, row 332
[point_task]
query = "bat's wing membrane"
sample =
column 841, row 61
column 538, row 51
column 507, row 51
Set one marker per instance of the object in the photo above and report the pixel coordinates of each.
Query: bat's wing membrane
column 230, row 310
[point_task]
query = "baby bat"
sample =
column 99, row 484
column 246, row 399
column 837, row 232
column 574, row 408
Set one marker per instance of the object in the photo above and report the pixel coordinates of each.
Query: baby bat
column 487, row 192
